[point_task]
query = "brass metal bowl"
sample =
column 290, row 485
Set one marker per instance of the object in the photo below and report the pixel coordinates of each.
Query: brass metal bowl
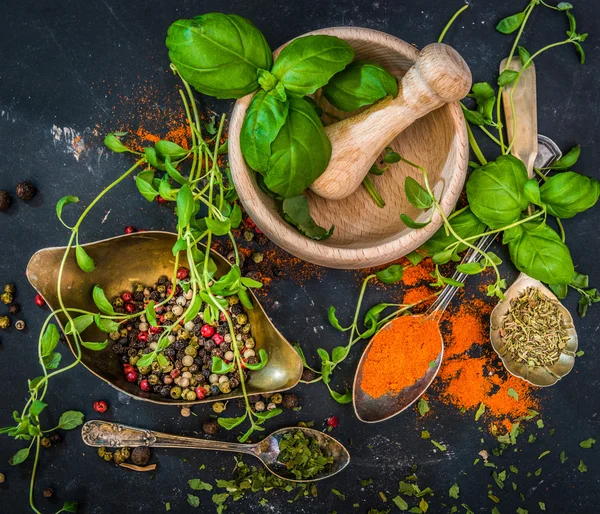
column 541, row 376
column 141, row 258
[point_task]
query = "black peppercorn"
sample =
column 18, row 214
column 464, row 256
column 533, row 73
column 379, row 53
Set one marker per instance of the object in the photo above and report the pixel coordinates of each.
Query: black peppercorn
column 48, row 493
column 55, row 438
column 5, row 200
column 210, row 427
column 14, row 309
column 26, row 190
column 236, row 309
column 162, row 279
column 170, row 352
column 290, row 401
column 118, row 349
column 252, row 360
column 140, row 455
column 307, row 375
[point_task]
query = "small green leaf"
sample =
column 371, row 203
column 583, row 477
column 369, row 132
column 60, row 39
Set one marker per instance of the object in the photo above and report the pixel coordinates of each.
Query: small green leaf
column 297, row 213
column 162, row 360
column 582, row 468
column 79, row 324
column 564, row 6
column 150, row 313
column 193, row 500
column 410, row 223
column 95, row 347
column 439, row 446
column 65, row 200
column 220, row 367
column 84, row 261
column 114, row 144
column 106, row 325
column 52, row 360
column 563, row 457
column 588, row 443
column 49, row 340
column 513, row 394
column 185, row 206
column 390, row 275
column 143, row 182
column 170, row 149
column 19, row 457
column 193, row 309
column 524, row 56
column 249, row 282
column 198, row 485
column 174, row 173
column 235, row 218
column 101, row 302
column 414, row 258
column 146, row 360
column 423, row 407
column 179, row 246
column 37, row 407
column 531, row 190
column 230, row 423
column 333, row 319
column 263, row 359
column 416, row 194
column 507, row 77
column 470, row 268
column 70, row 506
column 338, row 354
column 341, row 398
column 510, row 24
column 70, row 420
column 400, row 503
column 218, row 228
column 454, row 491
column 480, row 411
column 568, row 160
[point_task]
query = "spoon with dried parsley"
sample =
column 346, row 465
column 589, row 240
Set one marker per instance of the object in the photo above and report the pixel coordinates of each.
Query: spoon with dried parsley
column 298, row 454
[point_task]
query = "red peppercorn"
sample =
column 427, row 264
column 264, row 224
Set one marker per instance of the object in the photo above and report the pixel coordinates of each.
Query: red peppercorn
column 182, row 273
column 130, row 230
column 207, row 331
column 142, row 336
column 100, row 406
column 127, row 296
column 222, row 316
column 130, row 308
column 132, row 376
column 218, row 339
column 333, row 421
column 175, row 373
column 249, row 223
column 145, row 385
column 200, row 393
column 160, row 199
column 162, row 318
column 155, row 330
column 127, row 368
column 39, row 301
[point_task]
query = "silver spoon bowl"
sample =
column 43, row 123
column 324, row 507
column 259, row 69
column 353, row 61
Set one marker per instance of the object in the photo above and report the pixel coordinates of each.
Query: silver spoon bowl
column 102, row 433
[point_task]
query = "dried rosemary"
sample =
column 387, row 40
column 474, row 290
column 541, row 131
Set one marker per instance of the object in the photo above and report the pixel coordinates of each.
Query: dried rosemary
column 534, row 329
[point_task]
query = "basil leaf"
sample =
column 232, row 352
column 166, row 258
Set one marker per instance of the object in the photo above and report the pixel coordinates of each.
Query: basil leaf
column 217, row 227
column 507, row 77
column 230, row 423
column 538, row 251
column 114, row 143
column 185, row 206
column 360, row 84
column 333, row 319
column 485, row 96
column 297, row 213
column 153, row 159
column 245, row 299
column 524, row 57
column 495, row 191
column 170, row 149
column 219, row 54
column 408, row 221
column 373, row 314
column 473, row 116
column 263, row 121
column 531, row 190
column 568, row 160
column 52, row 360
column 174, row 173
column 235, row 218
column 49, row 340
column 37, row 407
column 416, row 194
column 391, row 275
column 179, row 246
column 198, row 485
column 465, row 224
column 564, row 6
column 414, row 258
column 341, row 398
column 79, row 324
column 308, row 63
column 193, row 309
column 106, row 325
column 150, row 313
column 70, row 506
column 19, row 457
column 580, row 280
column 65, row 200
column 220, row 367
column 96, row 347
column 263, row 359
column 248, row 282
column 146, row 360
column 300, row 153
column 143, row 182
column 338, row 354
column 84, row 261
column 569, row 193
column 511, row 23
column 70, row 420
column 101, row 302
column 470, row 268
column 560, row 290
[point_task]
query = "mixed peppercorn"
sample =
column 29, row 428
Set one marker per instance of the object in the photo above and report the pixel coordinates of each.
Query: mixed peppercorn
column 187, row 374
column 7, row 297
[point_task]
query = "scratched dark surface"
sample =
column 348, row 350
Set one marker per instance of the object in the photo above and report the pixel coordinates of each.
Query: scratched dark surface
column 68, row 65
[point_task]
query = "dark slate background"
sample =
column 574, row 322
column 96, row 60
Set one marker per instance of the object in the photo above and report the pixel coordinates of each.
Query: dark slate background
column 72, row 64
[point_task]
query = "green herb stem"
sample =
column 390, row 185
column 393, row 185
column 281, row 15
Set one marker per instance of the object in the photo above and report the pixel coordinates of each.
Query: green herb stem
column 451, row 21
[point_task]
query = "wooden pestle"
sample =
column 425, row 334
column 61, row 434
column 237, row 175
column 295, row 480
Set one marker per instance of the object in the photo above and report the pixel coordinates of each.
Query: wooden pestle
column 439, row 76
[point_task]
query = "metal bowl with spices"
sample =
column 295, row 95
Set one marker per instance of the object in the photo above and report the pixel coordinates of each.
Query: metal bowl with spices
column 552, row 365
column 141, row 258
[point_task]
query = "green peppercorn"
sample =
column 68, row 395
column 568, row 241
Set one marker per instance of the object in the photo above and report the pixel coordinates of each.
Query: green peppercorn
column 118, row 302
column 126, row 452
column 108, row 456
column 2, row 478
column 219, row 407
column 101, row 451
column 250, row 343
column 134, row 359
column 175, row 392
column 169, row 316
column 241, row 319
column 246, row 328
column 153, row 379
column 138, row 288
column 191, row 395
column 4, row 322
column 161, row 288
column 115, row 336
column 46, row 442
column 123, row 332
column 195, row 342
column 248, row 236
column 191, row 350
column 118, row 457
column 144, row 370
column 258, row 257
column 6, row 298
column 276, row 398
column 167, row 368
column 184, row 334
column 10, row 288
column 225, row 387
column 177, row 328
column 233, row 300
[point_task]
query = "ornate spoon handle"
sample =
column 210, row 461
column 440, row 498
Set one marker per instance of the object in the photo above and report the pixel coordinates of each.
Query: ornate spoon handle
column 104, row 433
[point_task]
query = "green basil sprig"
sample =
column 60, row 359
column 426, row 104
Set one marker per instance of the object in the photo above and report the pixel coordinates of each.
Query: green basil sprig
column 569, row 193
column 219, row 54
column 360, row 84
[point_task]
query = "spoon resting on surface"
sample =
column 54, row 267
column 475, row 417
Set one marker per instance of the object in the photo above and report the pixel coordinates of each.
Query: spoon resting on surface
column 103, row 433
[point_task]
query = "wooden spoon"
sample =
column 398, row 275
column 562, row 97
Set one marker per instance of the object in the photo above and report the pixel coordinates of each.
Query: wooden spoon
column 439, row 76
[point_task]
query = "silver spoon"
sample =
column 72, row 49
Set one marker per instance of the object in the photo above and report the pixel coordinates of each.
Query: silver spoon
column 373, row 410
column 104, row 433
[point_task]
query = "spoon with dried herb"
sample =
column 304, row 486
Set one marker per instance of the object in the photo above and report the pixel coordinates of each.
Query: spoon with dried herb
column 298, row 454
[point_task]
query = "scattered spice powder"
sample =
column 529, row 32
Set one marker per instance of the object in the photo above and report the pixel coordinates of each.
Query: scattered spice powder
column 400, row 354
